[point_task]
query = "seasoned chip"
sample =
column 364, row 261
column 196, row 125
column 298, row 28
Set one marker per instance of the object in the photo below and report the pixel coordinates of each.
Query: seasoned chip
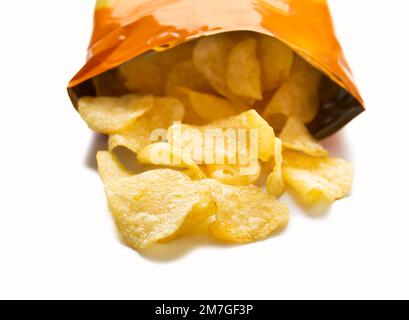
column 243, row 70
column 185, row 74
column 161, row 116
column 151, row 206
column 109, row 167
column 276, row 61
column 109, row 115
column 298, row 96
column 275, row 181
column 317, row 180
column 295, row 136
column 163, row 154
column 236, row 175
column 208, row 107
column 245, row 214
column 210, row 58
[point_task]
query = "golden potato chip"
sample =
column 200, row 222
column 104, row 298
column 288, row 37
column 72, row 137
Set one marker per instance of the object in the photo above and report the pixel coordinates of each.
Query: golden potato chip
column 276, row 60
column 295, row 136
column 185, row 74
column 162, row 153
column 161, row 116
column 208, row 107
column 252, row 120
column 298, row 96
column 243, row 70
column 109, row 115
column 193, row 138
column 275, row 181
column 245, row 214
column 151, row 206
column 210, row 58
column 110, row 168
column 317, row 180
column 234, row 174
column 200, row 213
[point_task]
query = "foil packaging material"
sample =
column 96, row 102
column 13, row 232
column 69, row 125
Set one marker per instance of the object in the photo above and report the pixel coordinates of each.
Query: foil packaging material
column 125, row 29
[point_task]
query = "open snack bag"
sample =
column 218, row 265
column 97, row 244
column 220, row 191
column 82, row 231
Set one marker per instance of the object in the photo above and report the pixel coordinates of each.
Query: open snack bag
column 222, row 104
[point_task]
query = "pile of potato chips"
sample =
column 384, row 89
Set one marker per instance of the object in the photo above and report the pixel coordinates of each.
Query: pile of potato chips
column 255, row 95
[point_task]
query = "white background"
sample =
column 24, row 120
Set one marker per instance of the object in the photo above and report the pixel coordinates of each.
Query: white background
column 57, row 239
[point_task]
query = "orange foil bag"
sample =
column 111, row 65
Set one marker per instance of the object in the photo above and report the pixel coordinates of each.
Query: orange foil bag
column 125, row 29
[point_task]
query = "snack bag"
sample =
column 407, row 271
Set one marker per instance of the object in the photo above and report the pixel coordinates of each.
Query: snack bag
column 210, row 97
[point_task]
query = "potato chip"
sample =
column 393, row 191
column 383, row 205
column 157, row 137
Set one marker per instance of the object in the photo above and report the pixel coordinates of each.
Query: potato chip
column 252, row 120
column 147, row 74
column 275, row 181
column 295, row 136
column 298, row 96
column 185, row 74
column 193, row 138
column 163, row 154
column 236, row 175
column 151, row 206
column 144, row 74
column 245, row 214
column 243, row 70
column 210, row 58
column 317, row 180
column 110, row 168
column 171, row 57
column 200, row 213
column 276, row 61
column 161, row 116
column 208, row 107
column 109, row 115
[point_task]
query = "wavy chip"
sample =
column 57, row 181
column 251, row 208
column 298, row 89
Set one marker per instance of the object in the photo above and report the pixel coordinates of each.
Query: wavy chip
column 151, row 206
column 276, row 60
column 110, row 168
column 245, row 214
column 298, row 96
column 295, row 136
column 162, row 154
column 161, row 116
column 316, row 180
column 275, row 181
column 243, row 74
column 109, row 115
